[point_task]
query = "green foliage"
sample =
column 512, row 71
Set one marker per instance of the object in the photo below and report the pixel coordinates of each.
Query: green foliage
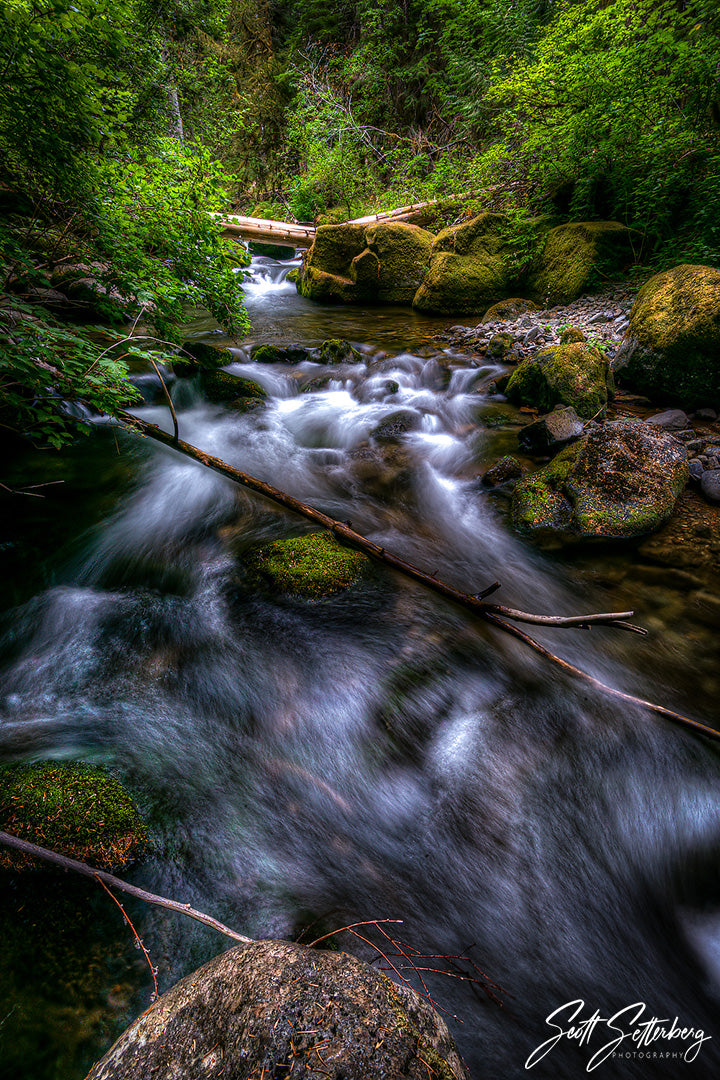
column 47, row 367
column 165, row 250
column 616, row 100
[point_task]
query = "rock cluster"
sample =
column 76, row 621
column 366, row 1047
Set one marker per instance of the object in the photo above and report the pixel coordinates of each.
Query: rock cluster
column 466, row 269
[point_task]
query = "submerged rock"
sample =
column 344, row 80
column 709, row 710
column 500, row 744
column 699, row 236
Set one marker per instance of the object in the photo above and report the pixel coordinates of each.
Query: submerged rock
column 75, row 809
column 396, row 425
column 279, row 1009
column 672, row 345
column 310, row 567
column 618, row 482
column 577, row 374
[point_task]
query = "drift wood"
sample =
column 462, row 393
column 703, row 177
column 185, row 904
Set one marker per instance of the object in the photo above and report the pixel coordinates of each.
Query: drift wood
column 116, row 883
column 496, row 614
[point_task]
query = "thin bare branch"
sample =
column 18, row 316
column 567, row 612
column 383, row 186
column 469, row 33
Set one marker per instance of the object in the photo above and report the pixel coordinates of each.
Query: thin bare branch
column 117, row 883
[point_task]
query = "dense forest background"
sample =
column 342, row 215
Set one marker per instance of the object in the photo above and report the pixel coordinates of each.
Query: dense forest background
column 125, row 125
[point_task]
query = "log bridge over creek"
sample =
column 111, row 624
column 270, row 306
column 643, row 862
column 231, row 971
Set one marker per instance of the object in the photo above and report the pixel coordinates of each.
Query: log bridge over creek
column 293, row 235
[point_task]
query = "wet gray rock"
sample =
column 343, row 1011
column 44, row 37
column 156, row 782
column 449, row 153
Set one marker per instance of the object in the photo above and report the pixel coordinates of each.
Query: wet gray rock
column 696, row 468
column 710, row 485
column 394, row 426
column 670, row 420
column 274, row 1008
column 502, row 472
column 551, row 432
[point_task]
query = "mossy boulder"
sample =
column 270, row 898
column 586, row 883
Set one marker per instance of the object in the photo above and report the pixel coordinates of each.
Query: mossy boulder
column 403, row 256
column 274, row 1008
column 572, row 254
column 500, row 345
column 337, row 351
column 380, row 263
column 469, row 268
column 672, row 345
column 280, row 354
column 222, row 388
column 200, row 356
column 571, row 335
column 618, row 482
column 509, row 310
column 310, row 567
column 325, row 273
column 577, row 374
column 74, row 809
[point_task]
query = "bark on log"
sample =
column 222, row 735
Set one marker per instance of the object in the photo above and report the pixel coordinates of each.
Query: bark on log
column 495, row 614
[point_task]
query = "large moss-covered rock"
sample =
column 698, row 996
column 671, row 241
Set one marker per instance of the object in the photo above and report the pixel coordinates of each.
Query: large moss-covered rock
column 469, row 269
column 403, row 256
column 618, row 482
column 572, row 253
column 325, row 272
column 576, row 374
column 380, row 263
column 222, row 388
column 672, row 346
column 75, row 809
column 310, row 567
column 274, row 1008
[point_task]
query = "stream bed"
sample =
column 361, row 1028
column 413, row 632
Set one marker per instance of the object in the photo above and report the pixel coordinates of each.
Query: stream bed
column 380, row 755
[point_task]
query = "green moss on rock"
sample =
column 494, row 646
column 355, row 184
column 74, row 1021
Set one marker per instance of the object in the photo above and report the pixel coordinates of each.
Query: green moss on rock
column 310, row 567
column 403, row 256
column 573, row 254
column 74, row 809
column 224, row 389
column 338, row 351
column 576, row 374
column 468, row 268
column 619, row 482
column 508, row 310
column 672, row 346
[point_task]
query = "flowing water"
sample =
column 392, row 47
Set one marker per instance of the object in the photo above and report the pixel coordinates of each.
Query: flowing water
column 375, row 756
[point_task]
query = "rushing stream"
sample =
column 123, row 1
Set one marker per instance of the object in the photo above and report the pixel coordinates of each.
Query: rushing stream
column 376, row 756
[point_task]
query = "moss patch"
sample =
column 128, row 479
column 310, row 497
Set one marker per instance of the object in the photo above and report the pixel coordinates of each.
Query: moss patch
column 75, row 809
column 468, row 268
column 222, row 388
column 310, row 567
column 508, row 310
column 403, row 257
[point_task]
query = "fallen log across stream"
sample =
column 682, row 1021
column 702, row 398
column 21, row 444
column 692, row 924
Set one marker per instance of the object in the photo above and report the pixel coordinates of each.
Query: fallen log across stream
column 495, row 614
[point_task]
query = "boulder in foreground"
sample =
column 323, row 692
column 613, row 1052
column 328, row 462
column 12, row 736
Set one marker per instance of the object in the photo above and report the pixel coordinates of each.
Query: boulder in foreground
column 274, row 1009
column 616, row 483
